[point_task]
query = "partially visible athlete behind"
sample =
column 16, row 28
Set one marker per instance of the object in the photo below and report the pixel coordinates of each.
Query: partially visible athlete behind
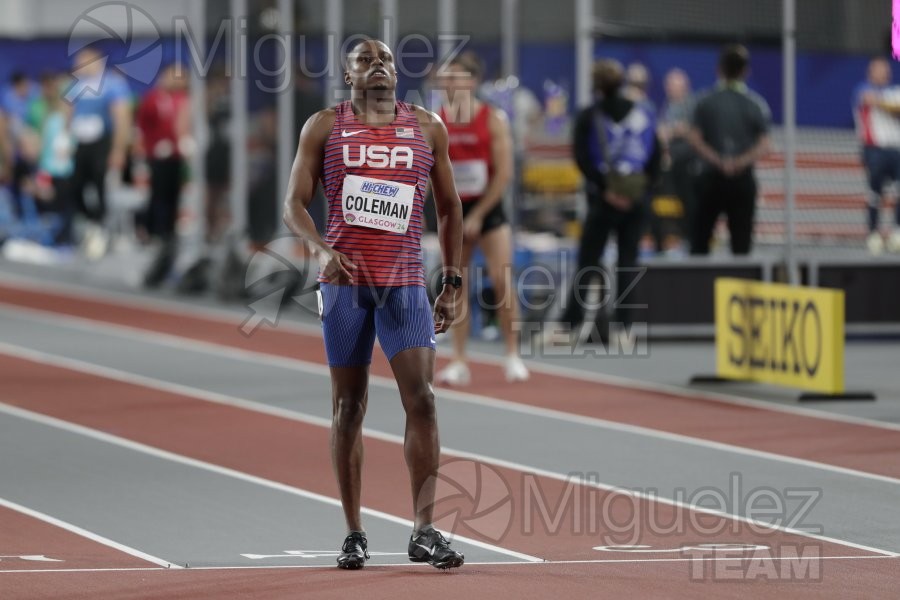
column 374, row 155
column 481, row 152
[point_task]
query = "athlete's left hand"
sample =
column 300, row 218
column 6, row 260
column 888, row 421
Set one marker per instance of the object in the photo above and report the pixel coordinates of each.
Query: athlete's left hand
column 445, row 309
column 472, row 227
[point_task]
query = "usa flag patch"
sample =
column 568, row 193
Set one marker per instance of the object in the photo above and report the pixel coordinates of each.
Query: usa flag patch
column 405, row 132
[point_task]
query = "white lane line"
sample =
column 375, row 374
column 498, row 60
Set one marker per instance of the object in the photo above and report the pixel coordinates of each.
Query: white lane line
column 94, row 537
column 222, row 315
column 116, row 374
column 232, row 473
column 548, row 563
column 187, row 344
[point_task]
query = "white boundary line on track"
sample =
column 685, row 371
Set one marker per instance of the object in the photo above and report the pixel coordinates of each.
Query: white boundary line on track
column 369, row 566
column 124, row 376
column 232, row 473
column 176, row 307
column 94, row 537
column 189, row 344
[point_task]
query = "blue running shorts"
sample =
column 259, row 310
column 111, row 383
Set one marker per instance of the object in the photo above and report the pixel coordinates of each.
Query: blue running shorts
column 353, row 315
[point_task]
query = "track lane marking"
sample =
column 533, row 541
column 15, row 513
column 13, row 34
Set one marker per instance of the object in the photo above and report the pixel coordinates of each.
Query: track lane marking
column 227, row 472
column 234, row 402
column 549, row 563
column 90, row 535
column 224, row 316
column 190, row 344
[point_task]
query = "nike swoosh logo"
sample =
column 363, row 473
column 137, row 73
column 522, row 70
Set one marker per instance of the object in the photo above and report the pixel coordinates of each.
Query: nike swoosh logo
column 427, row 549
column 346, row 133
column 433, row 341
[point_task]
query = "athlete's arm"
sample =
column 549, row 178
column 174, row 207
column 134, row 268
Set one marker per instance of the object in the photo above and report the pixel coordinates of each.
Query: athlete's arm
column 305, row 175
column 502, row 160
column 449, row 215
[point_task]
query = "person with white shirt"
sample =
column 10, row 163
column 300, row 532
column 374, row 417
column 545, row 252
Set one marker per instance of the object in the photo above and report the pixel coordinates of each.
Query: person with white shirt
column 876, row 110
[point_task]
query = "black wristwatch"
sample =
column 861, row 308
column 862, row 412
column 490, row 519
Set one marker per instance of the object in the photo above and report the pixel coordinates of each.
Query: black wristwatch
column 454, row 280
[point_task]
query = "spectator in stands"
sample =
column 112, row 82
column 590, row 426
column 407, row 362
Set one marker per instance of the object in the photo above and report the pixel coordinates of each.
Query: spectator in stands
column 15, row 101
column 101, row 124
column 618, row 152
column 730, row 132
column 56, row 162
column 18, row 96
column 680, row 157
column 198, row 277
column 162, row 120
column 637, row 85
column 877, row 114
column 39, row 107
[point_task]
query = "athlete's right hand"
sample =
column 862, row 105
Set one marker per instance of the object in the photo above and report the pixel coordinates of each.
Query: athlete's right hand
column 336, row 267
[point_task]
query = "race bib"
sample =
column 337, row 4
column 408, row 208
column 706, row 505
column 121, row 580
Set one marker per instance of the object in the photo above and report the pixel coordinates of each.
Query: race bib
column 470, row 176
column 87, row 128
column 376, row 203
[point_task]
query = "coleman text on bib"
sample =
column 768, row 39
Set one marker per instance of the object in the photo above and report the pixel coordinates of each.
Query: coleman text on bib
column 377, row 203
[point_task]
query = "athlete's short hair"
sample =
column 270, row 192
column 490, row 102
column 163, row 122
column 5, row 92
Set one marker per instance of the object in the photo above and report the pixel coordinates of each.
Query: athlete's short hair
column 470, row 62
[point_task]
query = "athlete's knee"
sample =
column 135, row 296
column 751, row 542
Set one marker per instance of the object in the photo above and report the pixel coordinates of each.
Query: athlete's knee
column 348, row 412
column 419, row 404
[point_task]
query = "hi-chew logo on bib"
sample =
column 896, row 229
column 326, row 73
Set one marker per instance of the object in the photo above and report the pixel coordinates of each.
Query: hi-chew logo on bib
column 377, row 204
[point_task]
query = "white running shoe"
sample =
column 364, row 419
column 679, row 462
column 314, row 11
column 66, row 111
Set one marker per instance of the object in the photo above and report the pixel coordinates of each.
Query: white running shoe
column 875, row 243
column 515, row 369
column 893, row 242
column 456, row 373
column 96, row 242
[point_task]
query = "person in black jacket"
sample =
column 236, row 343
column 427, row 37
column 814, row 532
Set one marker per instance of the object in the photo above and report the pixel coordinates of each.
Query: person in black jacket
column 612, row 136
column 730, row 132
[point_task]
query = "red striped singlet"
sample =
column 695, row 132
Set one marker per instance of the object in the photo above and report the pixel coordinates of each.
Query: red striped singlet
column 396, row 153
column 470, row 153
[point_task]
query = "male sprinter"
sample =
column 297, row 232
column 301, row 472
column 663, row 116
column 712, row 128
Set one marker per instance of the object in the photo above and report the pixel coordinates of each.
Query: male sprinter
column 374, row 155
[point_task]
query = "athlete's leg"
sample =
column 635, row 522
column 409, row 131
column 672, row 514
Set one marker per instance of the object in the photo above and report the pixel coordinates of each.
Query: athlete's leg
column 349, row 386
column 459, row 330
column 348, row 326
column 413, row 369
column 405, row 326
column 496, row 245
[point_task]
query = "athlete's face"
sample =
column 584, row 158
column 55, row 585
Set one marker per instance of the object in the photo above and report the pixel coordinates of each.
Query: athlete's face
column 455, row 78
column 370, row 66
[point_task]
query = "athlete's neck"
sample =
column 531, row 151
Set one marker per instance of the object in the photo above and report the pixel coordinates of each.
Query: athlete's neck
column 374, row 107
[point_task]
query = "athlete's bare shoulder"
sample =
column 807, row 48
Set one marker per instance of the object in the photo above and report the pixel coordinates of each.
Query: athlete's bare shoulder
column 432, row 126
column 318, row 127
